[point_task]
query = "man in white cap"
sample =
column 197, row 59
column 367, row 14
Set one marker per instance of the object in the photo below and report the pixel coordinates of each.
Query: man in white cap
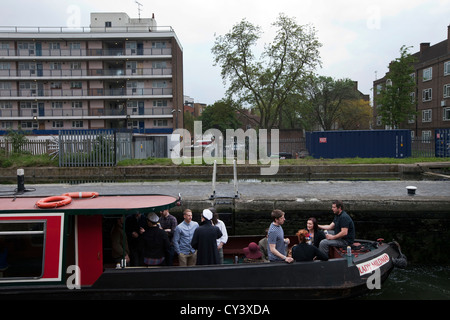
column 205, row 240
column 156, row 242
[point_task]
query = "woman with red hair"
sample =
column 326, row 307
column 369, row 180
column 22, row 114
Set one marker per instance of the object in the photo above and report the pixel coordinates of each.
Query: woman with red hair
column 304, row 251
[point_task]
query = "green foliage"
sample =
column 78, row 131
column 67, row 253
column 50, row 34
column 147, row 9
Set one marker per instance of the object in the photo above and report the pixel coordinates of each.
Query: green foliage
column 394, row 102
column 221, row 115
column 267, row 83
column 20, row 160
column 325, row 99
column 17, row 140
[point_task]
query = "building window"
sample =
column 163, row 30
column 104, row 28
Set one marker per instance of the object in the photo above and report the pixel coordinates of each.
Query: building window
column 447, row 68
column 160, row 103
column 427, row 74
column 77, row 124
column 55, row 65
column 56, row 85
column 159, row 64
column 379, row 123
column 6, row 66
column 28, row 124
column 5, row 105
column 76, row 85
column 58, row 124
column 133, row 124
column 108, row 24
column 160, row 123
column 77, row 104
column 158, row 44
column 27, row 85
column 159, row 84
column 75, row 65
column 7, row 125
column 57, row 105
column 7, row 85
column 54, row 46
column 426, row 136
column 426, row 115
column 28, row 105
column 446, row 115
column 426, row 95
column 75, row 46
column 447, row 91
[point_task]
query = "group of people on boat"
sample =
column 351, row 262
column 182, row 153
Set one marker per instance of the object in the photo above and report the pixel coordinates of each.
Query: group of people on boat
column 313, row 242
column 154, row 240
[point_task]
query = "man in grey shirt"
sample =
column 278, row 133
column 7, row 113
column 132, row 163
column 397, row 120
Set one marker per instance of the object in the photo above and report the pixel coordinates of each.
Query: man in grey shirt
column 277, row 243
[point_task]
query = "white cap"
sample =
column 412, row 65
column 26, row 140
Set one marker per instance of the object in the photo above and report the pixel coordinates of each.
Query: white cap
column 153, row 217
column 207, row 214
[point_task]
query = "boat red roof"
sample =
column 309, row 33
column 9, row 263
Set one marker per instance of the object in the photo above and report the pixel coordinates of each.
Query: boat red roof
column 114, row 202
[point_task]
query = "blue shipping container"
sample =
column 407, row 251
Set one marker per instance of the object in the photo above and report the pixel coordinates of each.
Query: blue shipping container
column 442, row 145
column 359, row 143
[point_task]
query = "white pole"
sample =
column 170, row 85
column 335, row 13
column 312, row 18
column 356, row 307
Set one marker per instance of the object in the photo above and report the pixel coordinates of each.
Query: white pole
column 236, row 192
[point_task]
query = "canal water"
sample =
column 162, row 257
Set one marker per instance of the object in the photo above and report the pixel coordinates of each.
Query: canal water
column 416, row 282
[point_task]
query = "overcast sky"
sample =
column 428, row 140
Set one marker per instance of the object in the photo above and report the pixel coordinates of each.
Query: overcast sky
column 359, row 37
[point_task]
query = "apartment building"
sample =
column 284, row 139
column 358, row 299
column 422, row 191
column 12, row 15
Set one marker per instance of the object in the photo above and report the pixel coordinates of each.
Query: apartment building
column 117, row 73
column 432, row 76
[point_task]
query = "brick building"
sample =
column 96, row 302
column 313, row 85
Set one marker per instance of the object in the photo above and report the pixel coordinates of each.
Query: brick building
column 117, row 73
column 432, row 76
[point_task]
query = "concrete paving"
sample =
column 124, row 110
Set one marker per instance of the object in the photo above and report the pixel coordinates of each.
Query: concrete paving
column 252, row 189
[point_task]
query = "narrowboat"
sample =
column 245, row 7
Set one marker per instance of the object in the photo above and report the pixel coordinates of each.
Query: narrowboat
column 53, row 248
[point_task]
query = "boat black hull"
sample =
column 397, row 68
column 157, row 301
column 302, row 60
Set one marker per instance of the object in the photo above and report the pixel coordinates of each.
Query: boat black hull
column 333, row 279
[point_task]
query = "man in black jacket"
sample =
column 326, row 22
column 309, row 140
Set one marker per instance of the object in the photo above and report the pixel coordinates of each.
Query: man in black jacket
column 155, row 242
column 204, row 240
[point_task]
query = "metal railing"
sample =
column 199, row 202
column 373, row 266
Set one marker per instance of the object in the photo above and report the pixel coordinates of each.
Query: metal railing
column 85, row 52
column 145, row 29
column 79, row 112
column 87, row 148
column 84, row 93
column 423, row 147
column 34, row 147
column 37, row 73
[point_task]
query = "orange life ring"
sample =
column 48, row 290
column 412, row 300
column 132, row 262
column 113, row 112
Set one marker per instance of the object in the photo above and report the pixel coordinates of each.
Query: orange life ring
column 54, row 202
column 81, row 194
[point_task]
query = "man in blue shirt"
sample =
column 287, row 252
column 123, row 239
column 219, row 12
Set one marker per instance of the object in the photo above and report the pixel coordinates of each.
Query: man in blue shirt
column 187, row 256
column 343, row 226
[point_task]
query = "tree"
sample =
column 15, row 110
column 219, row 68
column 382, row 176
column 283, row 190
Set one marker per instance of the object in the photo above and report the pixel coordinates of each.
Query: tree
column 355, row 115
column 394, row 102
column 266, row 83
column 221, row 115
column 325, row 99
column 17, row 139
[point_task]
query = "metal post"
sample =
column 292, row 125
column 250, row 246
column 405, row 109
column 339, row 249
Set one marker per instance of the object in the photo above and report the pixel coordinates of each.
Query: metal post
column 213, row 195
column 236, row 192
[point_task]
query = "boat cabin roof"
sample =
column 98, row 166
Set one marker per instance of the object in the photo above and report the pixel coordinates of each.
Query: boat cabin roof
column 109, row 204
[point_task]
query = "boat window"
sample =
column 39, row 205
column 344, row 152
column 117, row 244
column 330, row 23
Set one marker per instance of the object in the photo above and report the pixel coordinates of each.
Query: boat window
column 21, row 249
